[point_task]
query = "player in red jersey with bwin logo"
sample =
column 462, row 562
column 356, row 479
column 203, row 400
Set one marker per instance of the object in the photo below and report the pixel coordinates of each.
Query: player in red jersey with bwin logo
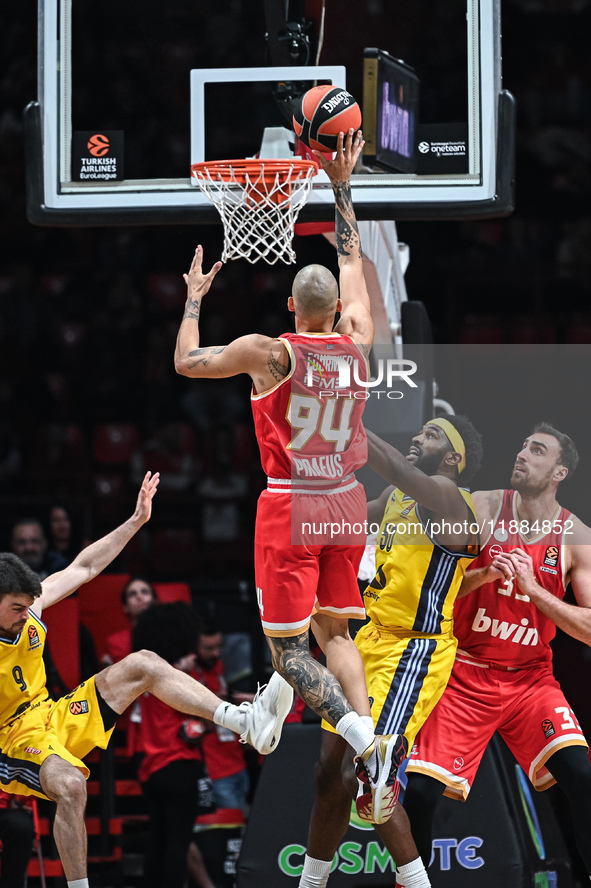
column 311, row 441
column 505, row 617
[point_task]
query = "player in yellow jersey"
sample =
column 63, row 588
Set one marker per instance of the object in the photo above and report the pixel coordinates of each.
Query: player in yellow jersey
column 427, row 537
column 42, row 741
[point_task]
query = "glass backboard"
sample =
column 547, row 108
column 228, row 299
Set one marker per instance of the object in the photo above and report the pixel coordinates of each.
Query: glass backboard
column 162, row 86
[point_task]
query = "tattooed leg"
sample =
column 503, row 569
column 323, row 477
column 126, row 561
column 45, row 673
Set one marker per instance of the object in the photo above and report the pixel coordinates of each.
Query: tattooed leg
column 317, row 687
column 342, row 659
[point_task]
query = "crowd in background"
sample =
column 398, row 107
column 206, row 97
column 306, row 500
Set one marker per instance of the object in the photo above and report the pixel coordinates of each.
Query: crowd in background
column 89, row 316
column 89, row 398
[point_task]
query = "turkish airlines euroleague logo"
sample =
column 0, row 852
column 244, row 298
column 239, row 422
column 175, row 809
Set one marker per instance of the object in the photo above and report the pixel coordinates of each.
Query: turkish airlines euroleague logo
column 97, row 155
column 98, row 145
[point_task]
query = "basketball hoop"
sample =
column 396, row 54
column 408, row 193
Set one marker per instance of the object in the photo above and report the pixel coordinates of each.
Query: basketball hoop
column 259, row 202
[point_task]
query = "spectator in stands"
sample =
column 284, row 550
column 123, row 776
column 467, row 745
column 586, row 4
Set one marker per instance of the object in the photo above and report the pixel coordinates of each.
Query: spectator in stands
column 64, row 540
column 223, row 753
column 224, row 759
column 29, row 542
column 173, row 774
column 63, row 534
column 137, row 595
column 17, row 832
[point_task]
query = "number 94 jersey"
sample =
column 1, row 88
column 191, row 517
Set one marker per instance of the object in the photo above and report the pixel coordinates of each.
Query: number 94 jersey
column 22, row 671
column 309, row 425
column 497, row 623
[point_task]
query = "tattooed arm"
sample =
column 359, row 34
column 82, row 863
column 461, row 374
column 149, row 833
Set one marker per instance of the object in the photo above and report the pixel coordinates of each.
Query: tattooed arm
column 264, row 359
column 355, row 318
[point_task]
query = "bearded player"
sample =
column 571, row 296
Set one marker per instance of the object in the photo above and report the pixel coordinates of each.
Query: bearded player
column 427, row 538
column 502, row 679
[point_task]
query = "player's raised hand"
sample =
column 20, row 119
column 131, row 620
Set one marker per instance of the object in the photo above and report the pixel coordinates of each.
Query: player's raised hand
column 349, row 147
column 143, row 508
column 197, row 282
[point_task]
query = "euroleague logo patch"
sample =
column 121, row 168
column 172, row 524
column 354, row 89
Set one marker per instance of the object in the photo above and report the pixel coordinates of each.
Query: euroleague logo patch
column 98, row 145
column 78, row 707
column 34, row 639
column 458, row 763
column 406, row 512
column 548, row 728
column 551, row 556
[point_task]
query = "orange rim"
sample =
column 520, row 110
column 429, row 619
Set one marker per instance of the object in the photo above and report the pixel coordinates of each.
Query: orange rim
column 244, row 170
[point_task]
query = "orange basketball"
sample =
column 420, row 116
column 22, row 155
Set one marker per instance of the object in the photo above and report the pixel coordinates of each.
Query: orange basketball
column 323, row 113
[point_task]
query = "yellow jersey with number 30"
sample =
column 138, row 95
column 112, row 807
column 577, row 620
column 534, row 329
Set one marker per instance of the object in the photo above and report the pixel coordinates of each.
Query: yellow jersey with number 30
column 417, row 579
column 22, row 670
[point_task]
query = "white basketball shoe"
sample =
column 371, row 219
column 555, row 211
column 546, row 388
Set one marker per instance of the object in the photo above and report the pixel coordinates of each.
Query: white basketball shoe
column 266, row 714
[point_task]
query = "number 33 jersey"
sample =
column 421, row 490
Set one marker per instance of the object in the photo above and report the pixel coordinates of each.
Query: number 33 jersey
column 22, row 671
column 309, row 425
column 497, row 623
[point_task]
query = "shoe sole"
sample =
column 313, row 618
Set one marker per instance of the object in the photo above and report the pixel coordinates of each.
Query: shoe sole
column 365, row 805
column 281, row 706
column 385, row 796
column 382, row 794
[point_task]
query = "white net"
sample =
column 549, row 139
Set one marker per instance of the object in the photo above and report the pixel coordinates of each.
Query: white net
column 258, row 202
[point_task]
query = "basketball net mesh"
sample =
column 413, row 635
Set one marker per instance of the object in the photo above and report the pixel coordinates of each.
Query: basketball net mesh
column 259, row 202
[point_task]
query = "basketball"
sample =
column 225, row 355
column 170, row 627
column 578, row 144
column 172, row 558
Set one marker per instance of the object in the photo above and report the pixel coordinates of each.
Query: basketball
column 324, row 112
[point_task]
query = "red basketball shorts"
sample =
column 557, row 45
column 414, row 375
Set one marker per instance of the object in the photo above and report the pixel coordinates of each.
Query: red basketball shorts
column 296, row 581
column 527, row 707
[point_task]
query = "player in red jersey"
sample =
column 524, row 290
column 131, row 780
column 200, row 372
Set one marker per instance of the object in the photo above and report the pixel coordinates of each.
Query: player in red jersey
column 505, row 620
column 311, row 519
